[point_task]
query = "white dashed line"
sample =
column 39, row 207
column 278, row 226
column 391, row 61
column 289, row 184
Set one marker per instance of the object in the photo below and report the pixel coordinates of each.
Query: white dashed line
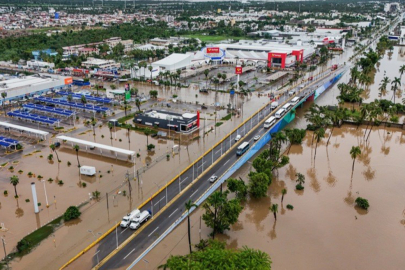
column 193, row 193
column 174, row 212
column 160, row 200
column 153, row 231
column 226, row 162
column 129, row 254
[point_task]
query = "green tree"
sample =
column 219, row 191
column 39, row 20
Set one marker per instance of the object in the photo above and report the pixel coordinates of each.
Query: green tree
column 319, row 135
column 14, row 180
column 258, row 185
column 396, row 82
column 238, row 187
column 138, row 104
column 71, row 213
column 283, row 192
column 220, row 212
column 53, row 148
column 300, row 180
column 4, row 95
column 401, row 71
column 77, row 148
column 354, row 153
column 83, row 99
column 274, row 210
column 362, row 203
column 147, row 132
column 213, row 255
column 153, row 93
column 189, row 204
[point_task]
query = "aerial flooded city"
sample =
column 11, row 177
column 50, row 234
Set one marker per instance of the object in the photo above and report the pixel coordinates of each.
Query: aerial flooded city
column 202, row 134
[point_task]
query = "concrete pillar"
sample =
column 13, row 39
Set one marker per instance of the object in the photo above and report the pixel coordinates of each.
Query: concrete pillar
column 34, row 198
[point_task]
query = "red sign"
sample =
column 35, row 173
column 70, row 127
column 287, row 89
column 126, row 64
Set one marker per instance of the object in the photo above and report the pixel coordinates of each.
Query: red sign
column 213, row 50
column 238, row 70
column 68, row 80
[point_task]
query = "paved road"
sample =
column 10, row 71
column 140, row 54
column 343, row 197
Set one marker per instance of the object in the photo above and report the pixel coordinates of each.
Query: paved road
column 159, row 224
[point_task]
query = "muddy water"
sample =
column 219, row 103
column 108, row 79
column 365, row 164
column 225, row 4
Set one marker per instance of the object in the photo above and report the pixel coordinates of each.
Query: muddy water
column 388, row 65
column 325, row 230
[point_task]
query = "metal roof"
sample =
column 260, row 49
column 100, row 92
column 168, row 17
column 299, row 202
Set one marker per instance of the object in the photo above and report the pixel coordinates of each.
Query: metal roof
column 97, row 145
column 31, row 130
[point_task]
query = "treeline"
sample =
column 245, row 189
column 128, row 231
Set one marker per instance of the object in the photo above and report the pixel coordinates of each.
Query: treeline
column 15, row 48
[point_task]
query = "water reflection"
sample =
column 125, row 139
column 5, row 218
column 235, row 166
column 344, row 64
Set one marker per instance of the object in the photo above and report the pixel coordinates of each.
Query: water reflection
column 314, row 184
column 369, row 174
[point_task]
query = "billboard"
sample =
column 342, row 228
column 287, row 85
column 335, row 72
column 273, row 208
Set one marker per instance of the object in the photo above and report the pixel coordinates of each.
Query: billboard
column 213, row 50
column 238, row 70
column 68, row 80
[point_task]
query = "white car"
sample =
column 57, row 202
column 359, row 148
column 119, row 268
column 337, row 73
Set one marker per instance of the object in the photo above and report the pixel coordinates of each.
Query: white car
column 237, row 138
column 256, row 137
column 213, row 178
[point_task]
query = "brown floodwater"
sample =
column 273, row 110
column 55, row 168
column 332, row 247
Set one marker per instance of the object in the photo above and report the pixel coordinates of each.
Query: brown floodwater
column 325, row 230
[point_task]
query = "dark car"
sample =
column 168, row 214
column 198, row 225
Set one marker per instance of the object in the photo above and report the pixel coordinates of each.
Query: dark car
column 204, row 107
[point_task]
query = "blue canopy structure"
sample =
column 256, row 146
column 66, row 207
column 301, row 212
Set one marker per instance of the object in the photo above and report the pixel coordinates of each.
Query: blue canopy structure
column 48, row 109
column 60, row 102
column 7, row 142
column 34, row 117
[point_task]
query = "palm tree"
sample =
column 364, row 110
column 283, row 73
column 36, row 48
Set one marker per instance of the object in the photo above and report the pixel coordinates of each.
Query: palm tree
column 83, row 99
column 189, row 205
column 319, row 135
column 70, row 99
column 138, row 104
column 206, row 72
column 395, row 83
column 150, row 68
column 14, row 180
column 283, row 192
column 147, row 132
column 4, row 95
column 76, row 148
column 53, row 148
column 383, row 86
column 300, row 178
column 110, row 126
column 354, row 152
column 274, row 210
column 401, row 70
column 94, row 123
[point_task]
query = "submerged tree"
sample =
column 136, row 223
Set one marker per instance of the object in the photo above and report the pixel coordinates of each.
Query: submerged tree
column 189, row 204
column 354, row 153
column 274, row 210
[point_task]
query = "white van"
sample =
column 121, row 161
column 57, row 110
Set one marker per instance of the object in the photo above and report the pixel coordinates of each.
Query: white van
column 274, row 105
column 287, row 106
column 126, row 220
column 279, row 113
column 292, row 92
column 295, row 100
column 139, row 219
column 269, row 122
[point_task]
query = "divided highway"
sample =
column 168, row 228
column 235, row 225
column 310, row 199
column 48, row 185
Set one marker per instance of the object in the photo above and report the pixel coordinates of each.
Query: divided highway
column 158, row 225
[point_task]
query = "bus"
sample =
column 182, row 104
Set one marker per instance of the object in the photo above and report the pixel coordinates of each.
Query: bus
column 280, row 113
column 242, row 148
column 269, row 122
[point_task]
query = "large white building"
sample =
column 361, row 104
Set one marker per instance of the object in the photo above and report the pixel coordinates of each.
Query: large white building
column 172, row 63
column 392, row 7
column 20, row 87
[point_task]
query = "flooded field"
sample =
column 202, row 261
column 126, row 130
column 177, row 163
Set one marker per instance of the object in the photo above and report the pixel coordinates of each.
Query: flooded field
column 325, row 230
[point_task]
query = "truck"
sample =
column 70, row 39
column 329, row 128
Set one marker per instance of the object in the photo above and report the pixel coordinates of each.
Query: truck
column 137, row 221
column 274, row 105
column 88, row 170
column 126, row 220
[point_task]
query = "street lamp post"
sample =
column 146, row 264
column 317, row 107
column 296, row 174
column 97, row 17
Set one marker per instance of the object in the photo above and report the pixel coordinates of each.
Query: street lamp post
column 46, row 196
column 5, row 253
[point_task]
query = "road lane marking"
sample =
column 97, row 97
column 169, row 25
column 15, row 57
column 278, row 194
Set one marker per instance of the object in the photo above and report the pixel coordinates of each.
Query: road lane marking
column 201, row 165
column 226, row 162
column 217, row 151
column 128, row 254
column 184, row 180
column 193, row 193
column 124, row 230
column 160, row 200
column 174, row 212
column 153, row 231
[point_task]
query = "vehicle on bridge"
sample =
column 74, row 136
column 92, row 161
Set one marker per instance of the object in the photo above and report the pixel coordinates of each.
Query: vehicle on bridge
column 242, row 148
column 213, row 178
column 137, row 221
column 126, row 220
column 280, row 113
column 269, row 122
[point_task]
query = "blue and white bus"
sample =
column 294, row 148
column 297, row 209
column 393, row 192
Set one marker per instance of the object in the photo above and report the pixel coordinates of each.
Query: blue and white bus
column 269, row 122
column 242, row 148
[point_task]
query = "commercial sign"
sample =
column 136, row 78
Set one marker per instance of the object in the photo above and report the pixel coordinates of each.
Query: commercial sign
column 238, row 70
column 213, row 50
column 68, row 80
